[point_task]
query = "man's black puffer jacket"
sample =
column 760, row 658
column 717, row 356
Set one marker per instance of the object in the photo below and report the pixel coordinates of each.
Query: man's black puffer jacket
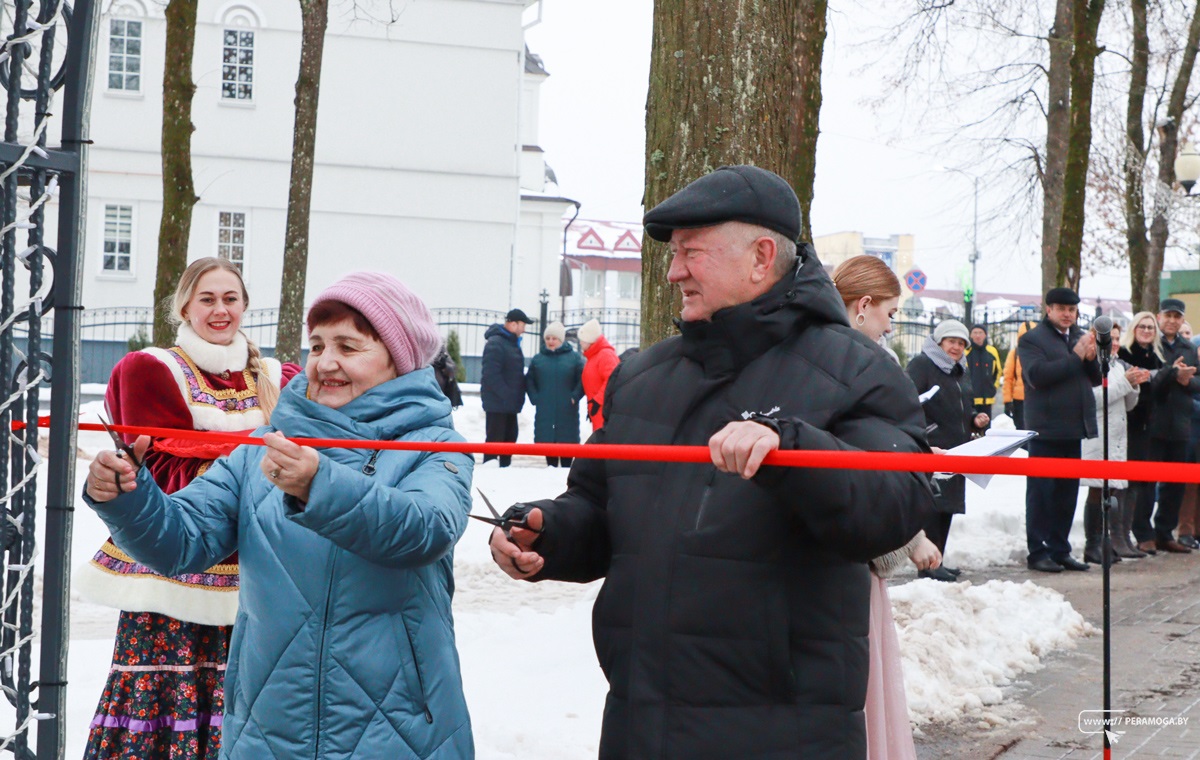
column 734, row 616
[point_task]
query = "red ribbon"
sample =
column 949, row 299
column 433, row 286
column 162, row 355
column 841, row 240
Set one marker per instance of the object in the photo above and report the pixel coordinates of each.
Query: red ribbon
column 1037, row 467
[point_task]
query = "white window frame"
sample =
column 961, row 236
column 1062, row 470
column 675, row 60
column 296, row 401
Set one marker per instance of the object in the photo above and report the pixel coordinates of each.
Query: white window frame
column 125, row 57
column 118, row 274
column 591, row 277
column 236, row 65
column 636, row 291
column 245, row 229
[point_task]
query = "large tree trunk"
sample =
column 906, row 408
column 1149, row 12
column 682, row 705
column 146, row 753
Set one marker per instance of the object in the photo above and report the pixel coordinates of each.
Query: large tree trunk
column 1135, row 153
column 1167, row 147
column 725, row 82
column 801, row 169
column 179, row 193
column 1084, row 24
column 1058, row 123
column 314, row 19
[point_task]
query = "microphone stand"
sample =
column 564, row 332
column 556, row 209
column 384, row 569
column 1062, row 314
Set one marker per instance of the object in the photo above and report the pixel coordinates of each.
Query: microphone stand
column 1104, row 351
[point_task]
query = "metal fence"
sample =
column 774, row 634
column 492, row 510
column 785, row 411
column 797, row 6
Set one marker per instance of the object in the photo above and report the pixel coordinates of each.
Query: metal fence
column 108, row 334
column 910, row 328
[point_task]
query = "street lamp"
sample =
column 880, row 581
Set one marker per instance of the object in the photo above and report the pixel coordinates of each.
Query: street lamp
column 1187, row 167
column 969, row 298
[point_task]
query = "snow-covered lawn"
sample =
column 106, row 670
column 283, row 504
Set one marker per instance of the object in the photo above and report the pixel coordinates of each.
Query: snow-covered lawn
column 528, row 665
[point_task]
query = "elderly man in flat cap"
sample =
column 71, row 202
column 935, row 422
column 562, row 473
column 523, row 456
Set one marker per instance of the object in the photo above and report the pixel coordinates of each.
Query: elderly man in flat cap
column 1060, row 369
column 1170, row 420
column 734, row 615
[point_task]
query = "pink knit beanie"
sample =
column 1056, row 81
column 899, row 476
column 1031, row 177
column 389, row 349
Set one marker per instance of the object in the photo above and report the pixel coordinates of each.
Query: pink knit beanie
column 399, row 316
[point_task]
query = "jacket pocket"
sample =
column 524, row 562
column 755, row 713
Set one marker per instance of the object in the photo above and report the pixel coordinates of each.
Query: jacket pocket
column 421, row 698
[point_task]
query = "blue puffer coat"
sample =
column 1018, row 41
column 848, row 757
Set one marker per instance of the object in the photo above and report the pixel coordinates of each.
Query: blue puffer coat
column 344, row 641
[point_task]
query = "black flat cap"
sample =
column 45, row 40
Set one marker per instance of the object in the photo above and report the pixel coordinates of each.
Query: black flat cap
column 1172, row 304
column 516, row 315
column 1064, row 296
column 730, row 194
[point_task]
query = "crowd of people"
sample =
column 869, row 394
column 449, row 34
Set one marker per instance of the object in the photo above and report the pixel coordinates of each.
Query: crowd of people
column 291, row 601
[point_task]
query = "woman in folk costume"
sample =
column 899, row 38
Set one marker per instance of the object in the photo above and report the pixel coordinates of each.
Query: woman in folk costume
column 871, row 294
column 164, row 697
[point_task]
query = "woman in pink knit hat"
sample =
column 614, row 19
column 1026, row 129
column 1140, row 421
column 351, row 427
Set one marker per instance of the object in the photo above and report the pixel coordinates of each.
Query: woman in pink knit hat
column 344, row 640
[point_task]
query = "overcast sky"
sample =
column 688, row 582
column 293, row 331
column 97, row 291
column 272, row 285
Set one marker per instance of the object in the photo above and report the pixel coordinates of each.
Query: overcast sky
column 593, row 130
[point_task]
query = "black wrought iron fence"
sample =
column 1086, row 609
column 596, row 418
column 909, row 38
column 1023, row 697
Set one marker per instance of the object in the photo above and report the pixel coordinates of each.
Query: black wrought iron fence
column 909, row 329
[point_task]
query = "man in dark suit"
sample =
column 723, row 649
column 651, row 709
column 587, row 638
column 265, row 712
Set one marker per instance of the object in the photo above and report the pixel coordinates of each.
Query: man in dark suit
column 1060, row 370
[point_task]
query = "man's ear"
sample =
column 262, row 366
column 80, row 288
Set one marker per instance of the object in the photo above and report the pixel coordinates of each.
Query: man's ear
column 765, row 251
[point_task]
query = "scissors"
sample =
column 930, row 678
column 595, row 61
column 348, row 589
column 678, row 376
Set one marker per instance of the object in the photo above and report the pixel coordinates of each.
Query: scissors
column 504, row 525
column 123, row 450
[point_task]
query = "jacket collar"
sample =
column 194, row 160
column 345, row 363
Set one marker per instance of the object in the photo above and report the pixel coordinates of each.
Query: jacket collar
column 740, row 334
column 385, row 412
column 211, row 357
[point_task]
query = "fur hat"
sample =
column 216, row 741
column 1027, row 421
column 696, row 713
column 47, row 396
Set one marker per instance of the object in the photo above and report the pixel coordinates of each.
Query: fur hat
column 401, row 318
column 590, row 331
column 555, row 330
column 950, row 328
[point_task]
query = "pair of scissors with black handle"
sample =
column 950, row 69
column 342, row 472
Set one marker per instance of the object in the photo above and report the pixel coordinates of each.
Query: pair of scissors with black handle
column 124, row 450
column 505, row 524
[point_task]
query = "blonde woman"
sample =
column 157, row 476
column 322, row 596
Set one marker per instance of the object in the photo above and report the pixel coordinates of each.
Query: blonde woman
column 1141, row 347
column 164, row 697
column 870, row 292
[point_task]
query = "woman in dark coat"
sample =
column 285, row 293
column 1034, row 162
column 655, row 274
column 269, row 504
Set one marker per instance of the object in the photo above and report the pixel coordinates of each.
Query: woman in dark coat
column 554, row 383
column 950, row 413
column 1141, row 346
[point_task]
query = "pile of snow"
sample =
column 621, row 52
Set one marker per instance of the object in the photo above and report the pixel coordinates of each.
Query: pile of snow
column 961, row 643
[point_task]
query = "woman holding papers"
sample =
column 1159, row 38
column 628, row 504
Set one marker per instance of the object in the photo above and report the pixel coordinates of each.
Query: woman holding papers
column 871, row 292
column 950, row 414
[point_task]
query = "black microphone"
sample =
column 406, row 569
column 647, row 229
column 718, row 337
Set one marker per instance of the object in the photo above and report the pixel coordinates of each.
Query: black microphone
column 1103, row 327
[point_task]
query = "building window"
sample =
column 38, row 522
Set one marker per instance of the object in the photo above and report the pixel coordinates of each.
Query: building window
column 125, row 55
column 118, row 239
column 629, row 285
column 237, row 69
column 593, row 283
column 231, row 237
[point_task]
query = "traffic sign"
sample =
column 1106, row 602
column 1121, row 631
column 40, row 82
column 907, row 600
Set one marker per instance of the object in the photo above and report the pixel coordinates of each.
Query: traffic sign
column 916, row 280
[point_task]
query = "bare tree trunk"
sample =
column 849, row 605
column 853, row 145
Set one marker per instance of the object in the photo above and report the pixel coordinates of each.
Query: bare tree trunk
column 1135, row 153
column 810, row 50
column 724, row 81
column 1167, row 147
column 179, row 193
column 314, row 16
column 1084, row 25
column 1058, row 124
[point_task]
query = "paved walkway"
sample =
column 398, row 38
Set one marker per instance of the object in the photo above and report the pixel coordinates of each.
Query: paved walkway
column 1155, row 672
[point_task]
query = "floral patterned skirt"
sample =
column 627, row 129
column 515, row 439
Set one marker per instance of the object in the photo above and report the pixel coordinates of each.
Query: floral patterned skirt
column 163, row 699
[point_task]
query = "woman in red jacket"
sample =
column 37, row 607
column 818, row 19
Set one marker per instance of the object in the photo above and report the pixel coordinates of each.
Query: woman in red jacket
column 601, row 361
column 164, row 697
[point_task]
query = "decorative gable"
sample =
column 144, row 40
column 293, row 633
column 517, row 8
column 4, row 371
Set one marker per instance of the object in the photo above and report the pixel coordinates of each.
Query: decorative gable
column 591, row 241
column 628, row 243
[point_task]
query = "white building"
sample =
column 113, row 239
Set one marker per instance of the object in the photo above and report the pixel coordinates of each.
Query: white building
column 427, row 163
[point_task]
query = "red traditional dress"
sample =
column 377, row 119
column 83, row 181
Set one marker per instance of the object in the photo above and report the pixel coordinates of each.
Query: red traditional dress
column 163, row 698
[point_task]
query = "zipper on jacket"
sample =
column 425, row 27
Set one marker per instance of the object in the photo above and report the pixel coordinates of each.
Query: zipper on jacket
column 420, row 678
column 369, row 468
column 321, row 659
column 704, row 498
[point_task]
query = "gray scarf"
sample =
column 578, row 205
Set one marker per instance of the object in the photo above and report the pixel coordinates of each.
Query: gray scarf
column 940, row 358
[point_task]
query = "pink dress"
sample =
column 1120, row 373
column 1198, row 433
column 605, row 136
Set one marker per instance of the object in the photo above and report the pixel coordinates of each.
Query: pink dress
column 889, row 733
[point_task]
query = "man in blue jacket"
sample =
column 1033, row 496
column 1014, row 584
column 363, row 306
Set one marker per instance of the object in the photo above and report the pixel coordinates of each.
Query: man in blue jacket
column 1059, row 363
column 502, row 380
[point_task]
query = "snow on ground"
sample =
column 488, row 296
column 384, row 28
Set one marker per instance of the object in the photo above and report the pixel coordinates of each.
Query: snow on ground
column 529, row 670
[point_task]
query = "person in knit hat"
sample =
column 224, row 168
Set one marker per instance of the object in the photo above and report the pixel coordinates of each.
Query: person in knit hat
column 554, row 384
column 343, row 551
column 601, row 361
